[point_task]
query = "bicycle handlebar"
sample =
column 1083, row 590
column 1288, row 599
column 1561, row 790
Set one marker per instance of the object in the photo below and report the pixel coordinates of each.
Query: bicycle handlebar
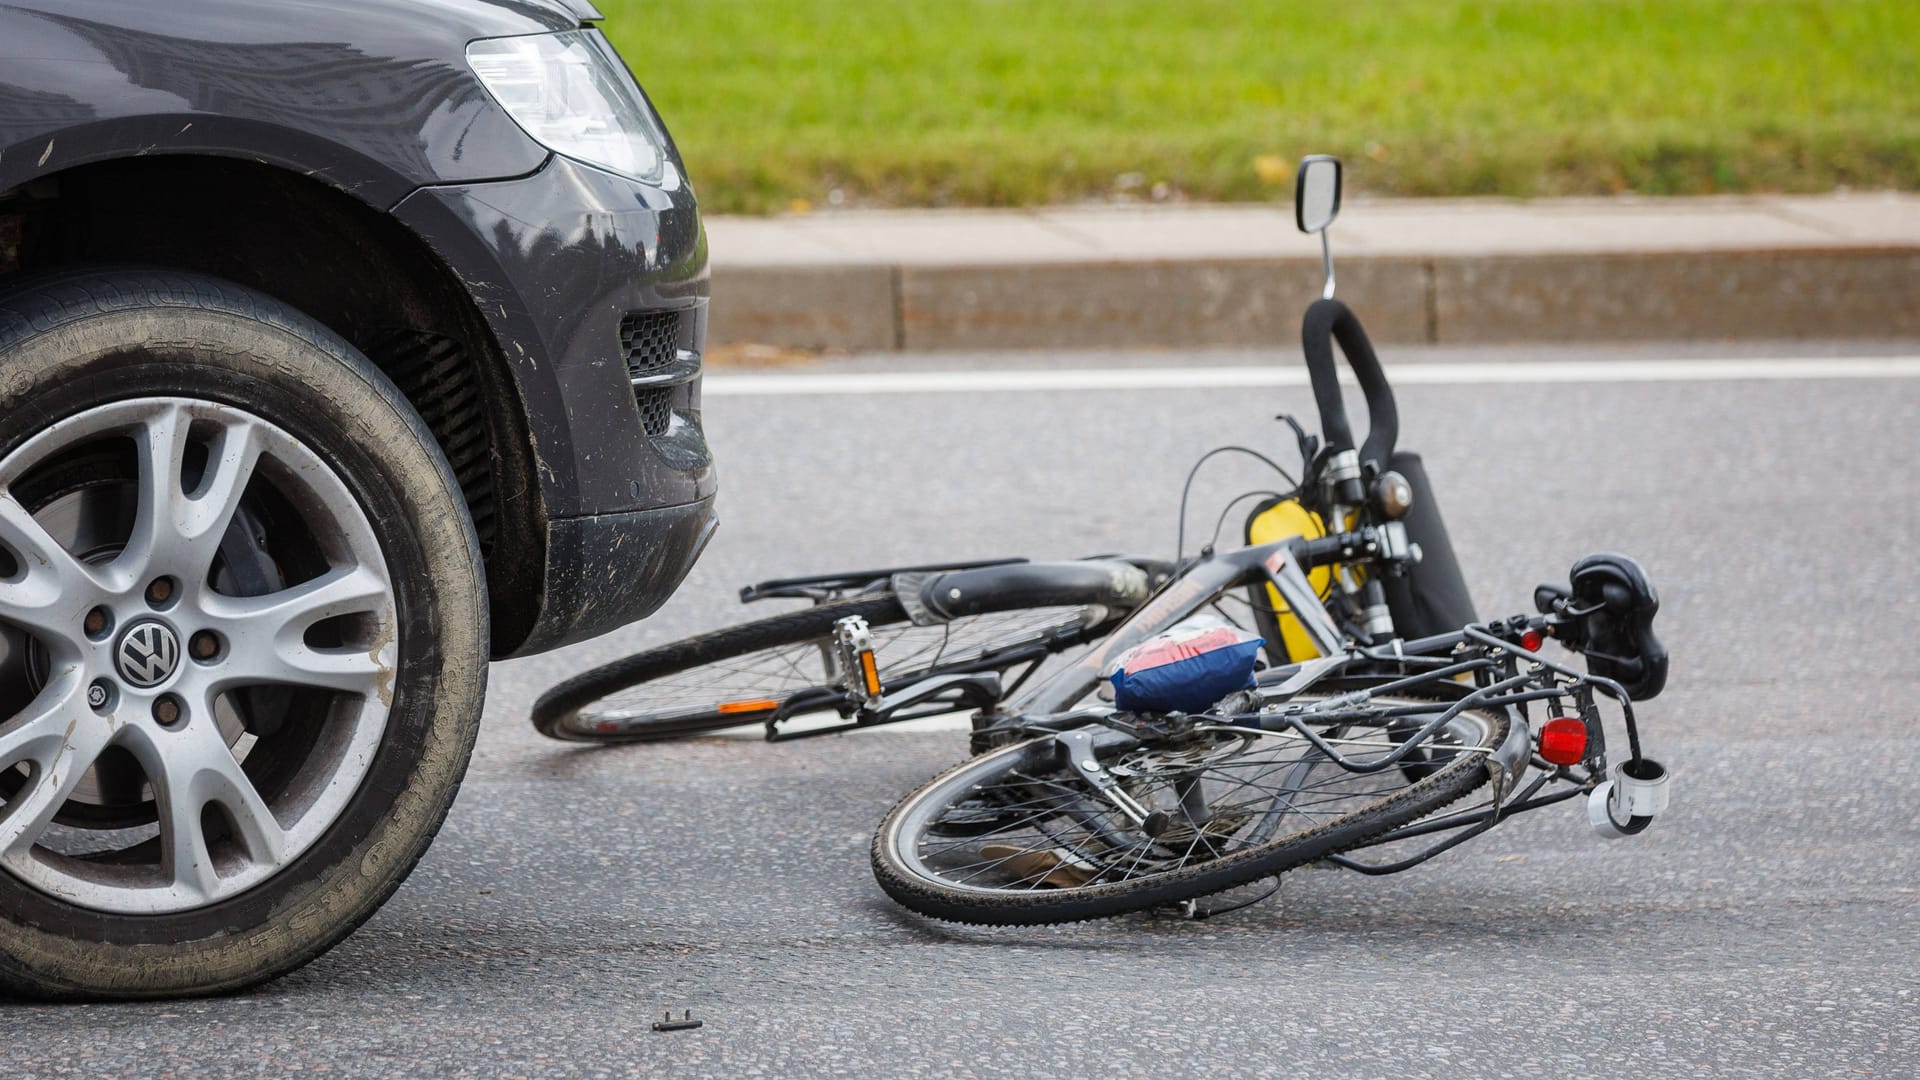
column 1364, row 544
column 1328, row 321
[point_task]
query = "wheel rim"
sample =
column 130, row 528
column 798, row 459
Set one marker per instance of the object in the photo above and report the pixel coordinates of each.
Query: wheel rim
column 750, row 687
column 232, row 687
column 1023, row 823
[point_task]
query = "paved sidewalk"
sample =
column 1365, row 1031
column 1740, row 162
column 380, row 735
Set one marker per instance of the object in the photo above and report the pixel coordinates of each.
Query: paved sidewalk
column 1442, row 271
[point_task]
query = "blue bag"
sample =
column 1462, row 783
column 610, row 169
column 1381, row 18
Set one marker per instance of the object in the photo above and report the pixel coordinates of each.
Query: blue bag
column 1185, row 670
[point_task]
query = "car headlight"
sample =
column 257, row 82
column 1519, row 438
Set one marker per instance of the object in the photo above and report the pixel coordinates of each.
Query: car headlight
column 572, row 95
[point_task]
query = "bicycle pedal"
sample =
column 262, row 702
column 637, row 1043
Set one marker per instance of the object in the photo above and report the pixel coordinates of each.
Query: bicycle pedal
column 859, row 668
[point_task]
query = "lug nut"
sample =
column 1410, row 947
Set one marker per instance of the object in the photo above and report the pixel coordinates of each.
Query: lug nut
column 160, row 591
column 205, row 645
column 167, row 710
column 96, row 622
column 100, row 695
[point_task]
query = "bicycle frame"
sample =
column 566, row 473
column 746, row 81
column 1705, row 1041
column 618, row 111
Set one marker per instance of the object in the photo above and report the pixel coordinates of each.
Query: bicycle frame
column 1105, row 587
column 1191, row 589
column 1491, row 654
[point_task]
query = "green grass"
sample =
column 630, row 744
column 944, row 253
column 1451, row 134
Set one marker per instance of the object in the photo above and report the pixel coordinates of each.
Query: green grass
column 1022, row 102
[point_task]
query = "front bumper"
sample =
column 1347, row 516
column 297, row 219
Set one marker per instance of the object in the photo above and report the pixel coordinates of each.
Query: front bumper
column 578, row 273
column 616, row 568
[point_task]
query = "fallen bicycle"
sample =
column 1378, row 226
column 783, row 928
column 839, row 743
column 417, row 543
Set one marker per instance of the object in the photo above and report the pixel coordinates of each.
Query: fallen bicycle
column 1324, row 694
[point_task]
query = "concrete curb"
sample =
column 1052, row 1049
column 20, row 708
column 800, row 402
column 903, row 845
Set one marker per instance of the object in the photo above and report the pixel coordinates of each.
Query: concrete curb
column 1839, row 292
column 1843, row 265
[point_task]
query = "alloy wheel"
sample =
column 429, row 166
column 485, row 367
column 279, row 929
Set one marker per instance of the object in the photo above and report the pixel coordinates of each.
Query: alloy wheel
column 199, row 636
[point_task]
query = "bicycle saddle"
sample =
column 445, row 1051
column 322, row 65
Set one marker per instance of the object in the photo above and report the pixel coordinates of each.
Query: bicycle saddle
column 1616, row 603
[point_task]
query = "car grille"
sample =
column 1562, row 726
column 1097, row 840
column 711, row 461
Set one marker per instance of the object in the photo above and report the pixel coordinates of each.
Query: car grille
column 652, row 342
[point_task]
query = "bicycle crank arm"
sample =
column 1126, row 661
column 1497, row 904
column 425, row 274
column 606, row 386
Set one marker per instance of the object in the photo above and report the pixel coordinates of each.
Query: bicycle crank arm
column 972, row 690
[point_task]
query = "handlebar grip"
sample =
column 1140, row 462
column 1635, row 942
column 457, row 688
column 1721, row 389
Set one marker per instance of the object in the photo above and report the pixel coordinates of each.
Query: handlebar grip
column 1368, row 543
column 1325, row 550
column 1327, row 321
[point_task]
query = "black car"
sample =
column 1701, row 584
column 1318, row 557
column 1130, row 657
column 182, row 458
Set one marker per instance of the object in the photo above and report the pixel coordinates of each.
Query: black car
column 343, row 347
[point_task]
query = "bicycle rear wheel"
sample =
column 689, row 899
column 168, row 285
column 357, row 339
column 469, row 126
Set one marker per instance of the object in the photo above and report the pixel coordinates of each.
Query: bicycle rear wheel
column 1021, row 837
column 782, row 667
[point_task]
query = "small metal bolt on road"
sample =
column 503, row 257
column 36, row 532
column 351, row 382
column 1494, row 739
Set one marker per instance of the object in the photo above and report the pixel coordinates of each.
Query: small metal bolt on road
column 685, row 1023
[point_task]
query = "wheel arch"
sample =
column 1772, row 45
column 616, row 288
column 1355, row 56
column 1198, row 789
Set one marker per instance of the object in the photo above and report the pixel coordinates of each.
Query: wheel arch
column 330, row 253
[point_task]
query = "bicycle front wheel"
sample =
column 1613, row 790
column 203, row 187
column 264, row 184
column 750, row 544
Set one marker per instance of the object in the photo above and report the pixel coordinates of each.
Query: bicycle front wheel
column 1020, row 836
column 783, row 667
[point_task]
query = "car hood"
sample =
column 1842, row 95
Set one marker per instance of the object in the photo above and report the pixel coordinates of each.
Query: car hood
column 570, row 12
column 375, row 96
column 351, row 20
column 581, row 10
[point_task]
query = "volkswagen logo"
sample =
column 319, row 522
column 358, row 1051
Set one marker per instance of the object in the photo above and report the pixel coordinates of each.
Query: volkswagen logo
column 148, row 654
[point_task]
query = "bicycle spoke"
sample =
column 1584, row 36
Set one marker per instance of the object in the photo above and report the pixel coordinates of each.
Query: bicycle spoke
column 1045, row 829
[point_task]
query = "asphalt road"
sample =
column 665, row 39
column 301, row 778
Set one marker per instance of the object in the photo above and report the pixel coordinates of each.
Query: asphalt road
column 1766, row 927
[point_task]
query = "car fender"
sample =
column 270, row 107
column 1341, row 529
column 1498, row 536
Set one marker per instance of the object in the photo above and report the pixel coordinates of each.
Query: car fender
column 370, row 96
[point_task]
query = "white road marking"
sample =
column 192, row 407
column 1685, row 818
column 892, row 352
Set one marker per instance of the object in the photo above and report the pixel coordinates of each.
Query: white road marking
column 1410, row 374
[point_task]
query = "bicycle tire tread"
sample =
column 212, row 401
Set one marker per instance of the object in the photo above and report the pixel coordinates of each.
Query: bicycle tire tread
column 1344, row 834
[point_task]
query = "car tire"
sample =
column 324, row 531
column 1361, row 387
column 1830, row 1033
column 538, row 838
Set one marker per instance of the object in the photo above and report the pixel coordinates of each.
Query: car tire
column 348, row 560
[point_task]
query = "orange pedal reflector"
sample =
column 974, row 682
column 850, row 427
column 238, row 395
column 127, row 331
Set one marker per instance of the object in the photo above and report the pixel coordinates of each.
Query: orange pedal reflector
column 870, row 671
column 755, row 705
column 1563, row 740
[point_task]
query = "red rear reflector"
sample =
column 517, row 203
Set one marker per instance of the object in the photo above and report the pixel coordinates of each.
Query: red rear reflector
column 1532, row 640
column 1563, row 740
column 756, row 705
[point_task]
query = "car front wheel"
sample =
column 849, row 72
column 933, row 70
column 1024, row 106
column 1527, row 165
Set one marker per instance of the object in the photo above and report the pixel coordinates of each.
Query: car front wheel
column 242, row 637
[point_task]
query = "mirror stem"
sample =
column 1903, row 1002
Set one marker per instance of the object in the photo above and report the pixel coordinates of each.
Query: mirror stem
column 1326, row 260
